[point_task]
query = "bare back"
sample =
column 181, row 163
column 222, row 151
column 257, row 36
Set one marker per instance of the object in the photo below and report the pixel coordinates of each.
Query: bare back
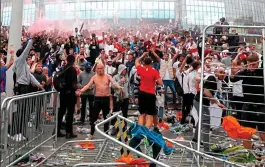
column 102, row 85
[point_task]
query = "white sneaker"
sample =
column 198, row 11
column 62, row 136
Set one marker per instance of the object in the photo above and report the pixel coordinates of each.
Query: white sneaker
column 136, row 113
column 78, row 129
column 22, row 137
column 18, row 137
column 193, row 130
column 15, row 137
column 85, row 130
column 89, row 137
column 132, row 118
column 180, row 138
column 110, row 129
column 30, row 124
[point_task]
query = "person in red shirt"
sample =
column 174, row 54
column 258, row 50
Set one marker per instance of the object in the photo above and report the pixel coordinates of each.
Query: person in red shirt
column 147, row 98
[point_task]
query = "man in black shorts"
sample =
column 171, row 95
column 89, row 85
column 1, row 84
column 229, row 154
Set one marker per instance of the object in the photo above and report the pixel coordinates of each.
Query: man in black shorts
column 147, row 99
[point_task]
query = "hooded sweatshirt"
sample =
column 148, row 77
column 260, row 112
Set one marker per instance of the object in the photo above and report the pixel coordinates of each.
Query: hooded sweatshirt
column 117, row 79
column 83, row 78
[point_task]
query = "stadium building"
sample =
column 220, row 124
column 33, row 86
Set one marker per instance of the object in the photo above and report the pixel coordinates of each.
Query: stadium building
column 188, row 13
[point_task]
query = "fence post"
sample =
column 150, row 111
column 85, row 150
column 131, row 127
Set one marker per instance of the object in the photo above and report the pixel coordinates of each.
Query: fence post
column 263, row 56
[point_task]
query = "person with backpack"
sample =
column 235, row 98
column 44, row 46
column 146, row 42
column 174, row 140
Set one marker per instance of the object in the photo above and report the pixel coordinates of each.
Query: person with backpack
column 65, row 82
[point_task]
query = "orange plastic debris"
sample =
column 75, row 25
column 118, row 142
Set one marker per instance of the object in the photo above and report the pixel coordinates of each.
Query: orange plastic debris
column 179, row 115
column 162, row 125
column 87, row 145
column 169, row 144
column 48, row 116
column 129, row 160
column 235, row 130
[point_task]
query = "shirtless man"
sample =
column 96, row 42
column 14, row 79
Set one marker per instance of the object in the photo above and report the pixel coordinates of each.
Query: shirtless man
column 102, row 95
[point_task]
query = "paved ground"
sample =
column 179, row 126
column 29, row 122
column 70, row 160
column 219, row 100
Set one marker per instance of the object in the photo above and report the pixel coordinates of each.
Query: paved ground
column 107, row 151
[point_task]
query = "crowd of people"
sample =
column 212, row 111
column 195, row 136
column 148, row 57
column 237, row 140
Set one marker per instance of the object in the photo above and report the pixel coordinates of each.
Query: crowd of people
column 116, row 68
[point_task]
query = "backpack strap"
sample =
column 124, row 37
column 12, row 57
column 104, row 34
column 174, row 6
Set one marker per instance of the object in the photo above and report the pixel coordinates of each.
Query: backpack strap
column 64, row 70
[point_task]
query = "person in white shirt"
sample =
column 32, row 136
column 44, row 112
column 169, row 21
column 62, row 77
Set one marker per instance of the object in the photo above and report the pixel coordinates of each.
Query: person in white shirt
column 109, row 69
column 77, row 33
column 176, row 67
column 192, row 47
column 224, row 52
column 196, row 65
column 237, row 89
column 182, row 75
column 87, row 47
column 167, row 74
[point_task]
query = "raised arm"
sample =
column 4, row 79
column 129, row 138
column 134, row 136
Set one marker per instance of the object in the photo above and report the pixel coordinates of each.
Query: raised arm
column 174, row 57
column 137, row 61
column 25, row 53
column 11, row 61
column 156, row 56
column 181, row 69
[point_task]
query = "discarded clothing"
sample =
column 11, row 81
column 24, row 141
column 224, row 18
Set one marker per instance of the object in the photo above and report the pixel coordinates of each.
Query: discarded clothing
column 239, row 154
column 234, row 130
column 140, row 162
column 140, row 132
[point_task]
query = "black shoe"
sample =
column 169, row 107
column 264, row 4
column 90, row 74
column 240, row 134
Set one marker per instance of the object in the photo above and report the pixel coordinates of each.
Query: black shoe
column 81, row 122
column 157, row 130
column 70, row 136
column 63, row 125
column 195, row 141
column 60, row 134
column 113, row 132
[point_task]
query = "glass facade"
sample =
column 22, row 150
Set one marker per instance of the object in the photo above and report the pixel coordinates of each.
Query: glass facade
column 188, row 13
column 109, row 9
column 29, row 13
column 206, row 12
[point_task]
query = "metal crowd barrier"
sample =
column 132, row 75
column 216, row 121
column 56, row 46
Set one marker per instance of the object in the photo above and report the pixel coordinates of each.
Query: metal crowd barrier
column 181, row 156
column 106, row 151
column 29, row 121
column 3, row 110
column 236, row 107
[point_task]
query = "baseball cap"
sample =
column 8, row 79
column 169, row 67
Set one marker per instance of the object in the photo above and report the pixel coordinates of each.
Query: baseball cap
column 88, row 65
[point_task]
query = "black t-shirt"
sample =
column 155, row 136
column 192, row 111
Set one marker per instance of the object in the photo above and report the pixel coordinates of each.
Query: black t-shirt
column 67, row 48
column 253, row 84
column 40, row 78
column 159, row 54
column 71, row 79
column 94, row 50
column 211, row 84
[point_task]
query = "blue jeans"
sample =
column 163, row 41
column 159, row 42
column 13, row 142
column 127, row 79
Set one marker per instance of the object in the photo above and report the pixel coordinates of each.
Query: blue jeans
column 160, row 112
column 170, row 84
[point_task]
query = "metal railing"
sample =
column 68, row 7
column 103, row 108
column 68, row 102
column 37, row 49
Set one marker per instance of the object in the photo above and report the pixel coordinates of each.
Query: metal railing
column 175, row 158
column 28, row 123
column 244, row 112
